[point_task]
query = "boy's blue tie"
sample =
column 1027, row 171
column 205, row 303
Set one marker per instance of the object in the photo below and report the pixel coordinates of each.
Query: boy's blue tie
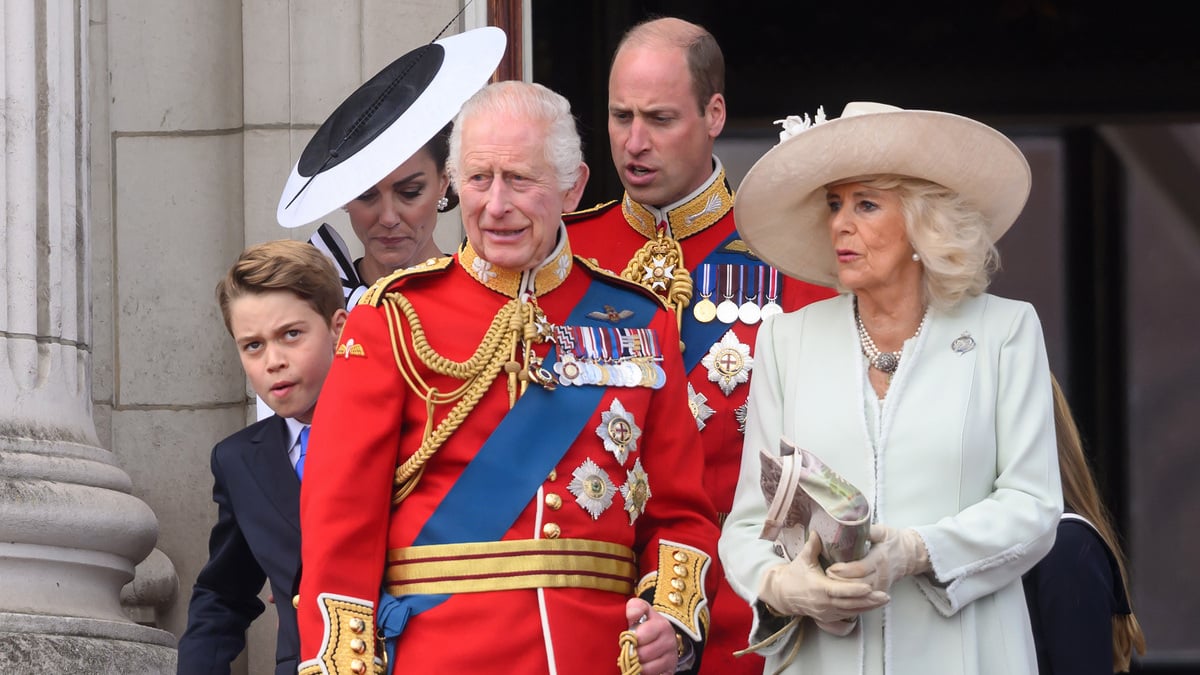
column 303, row 452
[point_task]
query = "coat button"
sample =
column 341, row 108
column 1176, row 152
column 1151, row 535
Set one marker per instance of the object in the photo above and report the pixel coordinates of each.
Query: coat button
column 551, row 530
column 358, row 667
column 358, row 646
column 554, row 501
column 358, row 625
column 553, row 475
column 295, row 602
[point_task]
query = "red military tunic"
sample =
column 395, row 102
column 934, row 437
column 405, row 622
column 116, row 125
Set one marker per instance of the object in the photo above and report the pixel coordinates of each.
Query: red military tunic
column 612, row 234
column 372, row 417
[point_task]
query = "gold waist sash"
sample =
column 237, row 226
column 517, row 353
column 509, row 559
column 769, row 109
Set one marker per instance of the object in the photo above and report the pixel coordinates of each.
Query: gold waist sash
column 509, row 565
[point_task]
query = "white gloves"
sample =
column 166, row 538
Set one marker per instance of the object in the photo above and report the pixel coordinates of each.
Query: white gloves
column 894, row 554
column 801, row 588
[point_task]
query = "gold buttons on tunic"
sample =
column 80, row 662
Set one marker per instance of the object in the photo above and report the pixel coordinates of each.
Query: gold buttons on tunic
column 680, row 570
column 358, row 625
column 358, row 667
column 554, row 501
column 551, row 530
column 675, row 598
column 296, row 602
column 680, row 556
column 553, row 475
column 678, row 584
column 358, row 646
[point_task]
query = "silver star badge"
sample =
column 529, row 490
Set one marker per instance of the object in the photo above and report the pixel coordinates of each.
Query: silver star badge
column 740, row 413
column 728, row 363
column 699, row 404
column 592, row 488
column 636, row 491
column 618, row 431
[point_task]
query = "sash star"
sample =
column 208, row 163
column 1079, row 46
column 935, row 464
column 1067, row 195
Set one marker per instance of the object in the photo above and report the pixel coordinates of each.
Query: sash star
column 728, row 362
column 618, row 431
column 592, row 488
column 699, row 405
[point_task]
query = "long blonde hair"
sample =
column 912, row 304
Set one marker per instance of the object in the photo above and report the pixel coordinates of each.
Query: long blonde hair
column 1081, row 496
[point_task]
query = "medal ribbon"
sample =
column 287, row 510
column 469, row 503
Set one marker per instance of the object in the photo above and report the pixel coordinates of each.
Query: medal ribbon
column 697, row 335
column 515, row 459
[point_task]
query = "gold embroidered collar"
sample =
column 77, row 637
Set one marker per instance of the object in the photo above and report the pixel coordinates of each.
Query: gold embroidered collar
column 538, row 281
column 689, row 215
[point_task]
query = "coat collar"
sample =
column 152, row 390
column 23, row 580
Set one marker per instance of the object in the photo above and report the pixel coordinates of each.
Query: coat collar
column 690, row 215
column 547, row 276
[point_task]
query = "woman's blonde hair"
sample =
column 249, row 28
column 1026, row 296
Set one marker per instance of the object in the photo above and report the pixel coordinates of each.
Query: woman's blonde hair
column 952, row 238
column 1081, row 496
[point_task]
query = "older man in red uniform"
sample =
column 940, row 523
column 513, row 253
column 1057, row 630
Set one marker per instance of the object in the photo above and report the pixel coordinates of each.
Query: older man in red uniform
column 673, row 231
column 500, row 476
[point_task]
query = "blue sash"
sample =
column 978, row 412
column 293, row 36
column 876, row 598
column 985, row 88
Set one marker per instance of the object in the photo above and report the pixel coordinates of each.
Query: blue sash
column 526, row 445
column 698, row 336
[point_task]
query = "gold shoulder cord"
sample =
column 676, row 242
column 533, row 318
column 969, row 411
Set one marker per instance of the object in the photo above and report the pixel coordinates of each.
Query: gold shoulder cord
column 517, row 325
column 649, row 266
column 477, row 373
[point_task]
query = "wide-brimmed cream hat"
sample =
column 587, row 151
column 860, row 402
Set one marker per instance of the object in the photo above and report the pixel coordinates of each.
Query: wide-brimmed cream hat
column 781, row 210
column 386, row 121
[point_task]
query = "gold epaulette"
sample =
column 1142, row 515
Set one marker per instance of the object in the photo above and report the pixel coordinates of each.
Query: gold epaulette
column 582, row 214
column 595, row 269
column 375, row 293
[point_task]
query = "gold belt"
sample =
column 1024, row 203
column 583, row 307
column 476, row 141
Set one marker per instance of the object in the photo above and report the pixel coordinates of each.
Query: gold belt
column 509, row 565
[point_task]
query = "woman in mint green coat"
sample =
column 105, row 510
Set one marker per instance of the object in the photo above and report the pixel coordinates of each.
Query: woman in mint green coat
column 926, row 393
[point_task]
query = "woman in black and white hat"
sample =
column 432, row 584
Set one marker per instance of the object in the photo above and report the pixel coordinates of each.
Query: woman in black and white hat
column 929, row 395
column 381, row 156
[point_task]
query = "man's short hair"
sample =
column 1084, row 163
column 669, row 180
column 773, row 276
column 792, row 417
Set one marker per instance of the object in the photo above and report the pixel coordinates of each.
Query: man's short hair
column 283, row 265
column 706, row 63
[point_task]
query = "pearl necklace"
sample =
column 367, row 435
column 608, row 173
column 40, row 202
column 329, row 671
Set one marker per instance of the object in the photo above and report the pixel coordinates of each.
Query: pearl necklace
column 886, row 362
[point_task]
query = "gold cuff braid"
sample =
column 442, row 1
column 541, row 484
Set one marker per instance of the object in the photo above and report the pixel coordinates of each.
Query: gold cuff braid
column 679, row 587
column 350, row 647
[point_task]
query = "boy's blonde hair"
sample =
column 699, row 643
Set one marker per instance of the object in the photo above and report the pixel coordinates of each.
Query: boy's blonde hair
column 283, row 265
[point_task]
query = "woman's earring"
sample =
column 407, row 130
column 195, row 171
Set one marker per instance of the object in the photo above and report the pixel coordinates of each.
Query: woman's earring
column 443, row 203
column 916, row 258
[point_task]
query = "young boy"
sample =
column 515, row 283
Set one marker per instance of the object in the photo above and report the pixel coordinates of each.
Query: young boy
column 283, row 304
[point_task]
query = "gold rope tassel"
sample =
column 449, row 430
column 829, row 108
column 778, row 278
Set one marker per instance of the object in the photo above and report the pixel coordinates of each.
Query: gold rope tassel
column 627, row 659
column 477, row 372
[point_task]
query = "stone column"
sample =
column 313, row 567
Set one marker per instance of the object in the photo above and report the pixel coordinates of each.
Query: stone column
column 70, row 529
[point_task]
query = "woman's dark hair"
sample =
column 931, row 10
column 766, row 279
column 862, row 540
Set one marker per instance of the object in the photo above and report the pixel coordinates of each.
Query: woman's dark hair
column 438, row 148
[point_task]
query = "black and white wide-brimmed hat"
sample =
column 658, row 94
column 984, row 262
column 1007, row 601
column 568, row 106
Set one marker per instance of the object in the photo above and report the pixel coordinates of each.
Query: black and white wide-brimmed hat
column 781, row 210
column 386, row 121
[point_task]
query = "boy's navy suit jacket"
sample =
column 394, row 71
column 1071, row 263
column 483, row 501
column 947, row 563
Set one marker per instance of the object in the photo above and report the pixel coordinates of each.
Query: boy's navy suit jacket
column 256, row 538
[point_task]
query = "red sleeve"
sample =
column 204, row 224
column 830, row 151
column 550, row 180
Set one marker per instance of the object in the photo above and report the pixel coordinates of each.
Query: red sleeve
column 346, row 492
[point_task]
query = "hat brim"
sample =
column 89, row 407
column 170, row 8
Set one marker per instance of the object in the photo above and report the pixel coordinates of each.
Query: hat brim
column 469, row 60
column 781, row 210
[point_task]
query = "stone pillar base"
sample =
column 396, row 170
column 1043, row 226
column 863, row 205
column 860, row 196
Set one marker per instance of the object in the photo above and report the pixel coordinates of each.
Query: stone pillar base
column 32, row 643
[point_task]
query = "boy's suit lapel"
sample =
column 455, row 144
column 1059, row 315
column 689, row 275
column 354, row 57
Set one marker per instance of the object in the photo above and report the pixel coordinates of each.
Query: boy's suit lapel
column 270, row 467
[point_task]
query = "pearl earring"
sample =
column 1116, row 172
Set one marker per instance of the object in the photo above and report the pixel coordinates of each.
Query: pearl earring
column 916, row 258
column 443, row 203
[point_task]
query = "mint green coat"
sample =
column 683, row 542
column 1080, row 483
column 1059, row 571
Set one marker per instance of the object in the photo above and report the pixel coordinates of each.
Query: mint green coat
column 964, row 452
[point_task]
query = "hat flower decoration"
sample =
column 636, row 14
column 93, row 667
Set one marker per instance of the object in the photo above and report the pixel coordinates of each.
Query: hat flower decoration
column 794, row 124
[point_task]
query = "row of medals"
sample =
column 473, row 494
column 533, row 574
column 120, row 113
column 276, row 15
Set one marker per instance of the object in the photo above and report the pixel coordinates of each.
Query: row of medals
column 750, row 311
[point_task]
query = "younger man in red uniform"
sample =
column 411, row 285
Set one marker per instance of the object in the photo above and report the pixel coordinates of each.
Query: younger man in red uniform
column 673, row 232
column 503, row 446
